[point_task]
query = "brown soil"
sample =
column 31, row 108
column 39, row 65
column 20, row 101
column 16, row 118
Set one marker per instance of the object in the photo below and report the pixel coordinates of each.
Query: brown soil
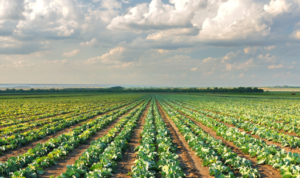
column 129, row 156
column 25, row 148
column 190, row 163
column 264, row 170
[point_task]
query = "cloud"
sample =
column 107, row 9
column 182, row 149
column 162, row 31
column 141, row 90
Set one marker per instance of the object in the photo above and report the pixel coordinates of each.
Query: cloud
column 71, row 53
column 297, row 34
column 92, row 43
column 279, row 66
column 9, row 42
column 236, row 19
column 276, row 7
column 217, row 39
column 270, row 47
column 209, row 59
column 112, row 57
column 158, row 15
column 241, row 75
column 11, row 9
column 275, row 66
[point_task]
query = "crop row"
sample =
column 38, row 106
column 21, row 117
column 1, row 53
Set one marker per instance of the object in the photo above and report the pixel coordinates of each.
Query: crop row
column 168, row 159
column 53, row 121
column 211, row 151
column 48, row 153
column 278, row 111
column 287, row 126
column 19, row 122
column 16, row 140
column 145, row 164
column 24, row 110
column 37, row 166
column 257, row 129
column 107, row 161
column 287, row 162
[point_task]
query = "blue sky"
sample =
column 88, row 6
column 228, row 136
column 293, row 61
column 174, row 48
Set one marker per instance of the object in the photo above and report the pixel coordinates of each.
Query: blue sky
column 175, row 42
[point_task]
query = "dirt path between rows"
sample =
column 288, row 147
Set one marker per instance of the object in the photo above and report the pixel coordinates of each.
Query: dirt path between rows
column 61, row 165
column 264, row 170
column 190, row 163
column 129, row 156
column 25, row 148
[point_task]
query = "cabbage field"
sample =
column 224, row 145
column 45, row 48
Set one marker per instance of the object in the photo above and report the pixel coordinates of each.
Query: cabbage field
column 148, row 136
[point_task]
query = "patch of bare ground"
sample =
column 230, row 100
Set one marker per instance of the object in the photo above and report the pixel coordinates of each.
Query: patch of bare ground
column 190, row 163
column 264, row 170
column 129, row 156
column 61, row 165
column 24, row 149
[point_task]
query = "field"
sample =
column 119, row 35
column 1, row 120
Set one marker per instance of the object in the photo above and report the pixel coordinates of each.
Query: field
column 150, row 135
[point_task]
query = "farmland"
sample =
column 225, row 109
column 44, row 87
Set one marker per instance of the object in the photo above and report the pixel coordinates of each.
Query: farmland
column 149, row 135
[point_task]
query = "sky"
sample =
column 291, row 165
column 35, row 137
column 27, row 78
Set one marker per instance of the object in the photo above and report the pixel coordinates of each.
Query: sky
column 150, row 42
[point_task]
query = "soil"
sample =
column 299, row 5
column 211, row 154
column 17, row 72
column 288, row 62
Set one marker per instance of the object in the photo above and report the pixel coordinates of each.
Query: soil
column 25, row 148
column 129, row 156
column 190, row 163
column 264, row 170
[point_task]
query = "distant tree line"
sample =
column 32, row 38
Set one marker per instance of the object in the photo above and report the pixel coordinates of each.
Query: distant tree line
column 121, row 89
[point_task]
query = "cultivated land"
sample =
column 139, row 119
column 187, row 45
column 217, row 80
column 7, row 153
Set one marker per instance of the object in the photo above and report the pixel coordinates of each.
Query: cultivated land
column 150, row 135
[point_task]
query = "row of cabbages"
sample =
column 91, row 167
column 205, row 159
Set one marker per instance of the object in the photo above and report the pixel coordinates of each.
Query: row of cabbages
column 257, row 128
column 19, row 139
column 214, row 153
column 45, row 155
column 287, row 163
column 150, row 161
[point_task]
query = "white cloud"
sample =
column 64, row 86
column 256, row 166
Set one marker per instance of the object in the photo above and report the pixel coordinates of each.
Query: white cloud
column 51, row 18
column 112, row 57
column 276, row 7
column 71, row 53
column 194, row 69
column 158, row 15
column 236, row 19
column 92, row 43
